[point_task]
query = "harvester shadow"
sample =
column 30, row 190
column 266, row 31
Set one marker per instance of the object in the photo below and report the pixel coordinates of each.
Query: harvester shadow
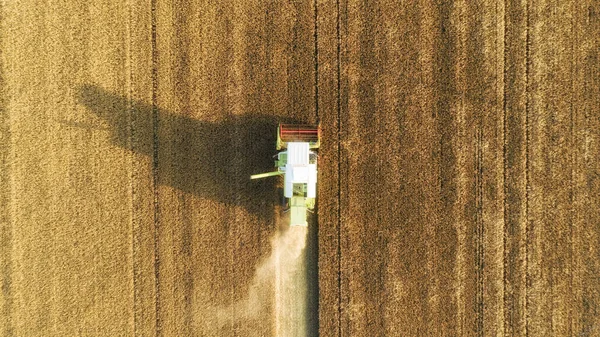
column 212, row 160
column 209, row 159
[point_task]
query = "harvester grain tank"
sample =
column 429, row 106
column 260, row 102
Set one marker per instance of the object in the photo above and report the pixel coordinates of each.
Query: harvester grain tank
column 297, row 162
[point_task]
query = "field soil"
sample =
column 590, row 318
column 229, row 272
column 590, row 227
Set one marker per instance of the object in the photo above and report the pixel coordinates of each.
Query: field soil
column 459, row 170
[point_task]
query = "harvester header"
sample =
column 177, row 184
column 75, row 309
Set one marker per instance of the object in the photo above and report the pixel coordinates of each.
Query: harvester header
column 297, row 162
column 307, row 133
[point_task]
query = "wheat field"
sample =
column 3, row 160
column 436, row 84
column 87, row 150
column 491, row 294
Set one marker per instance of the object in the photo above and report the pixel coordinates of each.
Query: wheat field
column 459, row 171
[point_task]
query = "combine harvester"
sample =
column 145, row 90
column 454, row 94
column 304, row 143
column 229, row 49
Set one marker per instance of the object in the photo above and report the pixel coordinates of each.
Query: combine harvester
column 298, row 164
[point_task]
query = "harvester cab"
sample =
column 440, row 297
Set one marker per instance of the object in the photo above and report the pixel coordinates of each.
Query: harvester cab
column 297, row 162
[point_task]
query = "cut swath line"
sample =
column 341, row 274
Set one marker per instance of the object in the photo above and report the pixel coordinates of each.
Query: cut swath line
column 480, row 232
column 278, row 304
column 527, row 185
column 155, row 144
column 133, row 175
column 339, row 167
column 505, row 304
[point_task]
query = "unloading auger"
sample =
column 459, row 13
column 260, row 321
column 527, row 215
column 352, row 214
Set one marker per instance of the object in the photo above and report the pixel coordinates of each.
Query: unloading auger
column 297, row 162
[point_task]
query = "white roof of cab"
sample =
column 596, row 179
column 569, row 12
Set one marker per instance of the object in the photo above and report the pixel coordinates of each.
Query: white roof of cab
column 297, row 154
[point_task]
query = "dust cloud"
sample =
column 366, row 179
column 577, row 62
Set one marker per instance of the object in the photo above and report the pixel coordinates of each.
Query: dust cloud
column 279, row 287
